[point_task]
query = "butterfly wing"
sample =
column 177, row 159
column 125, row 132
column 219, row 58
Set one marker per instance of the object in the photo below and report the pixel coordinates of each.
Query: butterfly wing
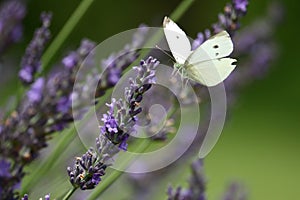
column 211, row 72
column 218, row 46
column 178, row 42
column 207, row 64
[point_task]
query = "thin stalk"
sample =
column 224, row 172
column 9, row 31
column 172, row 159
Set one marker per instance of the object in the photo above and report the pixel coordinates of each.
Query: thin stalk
column 64, row 33
column 70, row 193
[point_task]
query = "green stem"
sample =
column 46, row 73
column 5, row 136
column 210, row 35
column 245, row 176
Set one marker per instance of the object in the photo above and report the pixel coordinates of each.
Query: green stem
column 69, row 194
column 180, row 10
column 64, row 33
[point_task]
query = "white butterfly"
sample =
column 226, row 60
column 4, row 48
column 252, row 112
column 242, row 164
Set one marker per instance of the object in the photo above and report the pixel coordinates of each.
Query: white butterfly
column 207, row 64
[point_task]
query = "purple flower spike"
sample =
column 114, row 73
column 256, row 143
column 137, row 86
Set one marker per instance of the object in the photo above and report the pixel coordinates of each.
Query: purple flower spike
column 196, row 188
column 31, row 60
column 121, row 117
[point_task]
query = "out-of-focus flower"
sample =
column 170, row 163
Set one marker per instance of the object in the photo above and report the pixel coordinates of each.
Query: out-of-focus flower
column 196, row 189
column 258, row 48
column 44, row 110
column 235, row 192
column 228, row 20
column 12, row 13
column 31, row 60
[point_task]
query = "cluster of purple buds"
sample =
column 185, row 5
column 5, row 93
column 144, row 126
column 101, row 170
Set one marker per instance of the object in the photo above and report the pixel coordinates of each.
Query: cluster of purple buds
column 31, row 60
column 87, row 171
column 121, row 118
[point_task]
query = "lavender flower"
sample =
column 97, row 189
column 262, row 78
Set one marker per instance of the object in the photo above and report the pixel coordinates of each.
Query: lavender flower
column 196, row 185
column 235, row 192
column 12, row 14
column 229, row 21
column 31, row 60
column 256, row 45
column 118, row 124
column 87, row 171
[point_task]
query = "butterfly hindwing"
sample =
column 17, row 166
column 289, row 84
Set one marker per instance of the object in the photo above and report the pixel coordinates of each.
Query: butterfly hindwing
column 211, row 72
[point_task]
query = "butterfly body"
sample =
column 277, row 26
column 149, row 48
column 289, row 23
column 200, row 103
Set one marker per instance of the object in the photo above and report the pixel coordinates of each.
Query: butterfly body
column 208, row 63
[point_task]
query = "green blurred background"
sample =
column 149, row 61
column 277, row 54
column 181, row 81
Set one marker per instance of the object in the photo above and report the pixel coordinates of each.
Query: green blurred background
column 260, row 143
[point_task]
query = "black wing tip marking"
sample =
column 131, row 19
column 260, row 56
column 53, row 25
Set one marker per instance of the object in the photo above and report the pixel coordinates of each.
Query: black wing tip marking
column 234, row 63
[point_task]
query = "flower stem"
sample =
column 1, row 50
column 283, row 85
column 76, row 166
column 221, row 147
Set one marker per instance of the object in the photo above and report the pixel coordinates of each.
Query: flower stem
column 180, row 10
column 69, row 194
column 64, row 33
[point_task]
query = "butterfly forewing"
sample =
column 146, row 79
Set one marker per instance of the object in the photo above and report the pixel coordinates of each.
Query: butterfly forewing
column 178, row 42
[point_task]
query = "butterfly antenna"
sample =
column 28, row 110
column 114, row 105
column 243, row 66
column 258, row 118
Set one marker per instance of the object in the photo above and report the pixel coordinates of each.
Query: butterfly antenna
column 164, row 52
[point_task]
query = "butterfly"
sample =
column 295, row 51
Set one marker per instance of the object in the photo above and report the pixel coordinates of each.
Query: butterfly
column 208, row 63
